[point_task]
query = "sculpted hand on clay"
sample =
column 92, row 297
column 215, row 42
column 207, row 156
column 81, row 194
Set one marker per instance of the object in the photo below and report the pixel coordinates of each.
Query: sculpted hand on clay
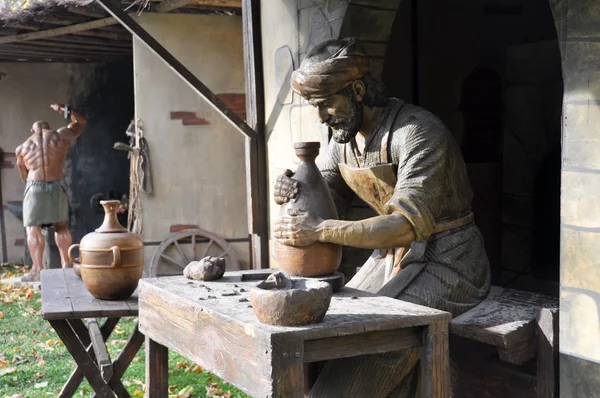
column 404, row 163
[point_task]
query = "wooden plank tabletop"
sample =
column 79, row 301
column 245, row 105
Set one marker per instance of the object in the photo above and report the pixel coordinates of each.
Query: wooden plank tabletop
column 64, row 296
column 351, row 311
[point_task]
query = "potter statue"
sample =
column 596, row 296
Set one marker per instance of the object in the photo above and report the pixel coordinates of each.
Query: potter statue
column 40, row 160
column 403, row 162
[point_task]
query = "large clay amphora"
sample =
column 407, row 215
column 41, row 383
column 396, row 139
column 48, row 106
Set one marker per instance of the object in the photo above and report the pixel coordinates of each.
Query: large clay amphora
column 318, row 259
column 112, row 258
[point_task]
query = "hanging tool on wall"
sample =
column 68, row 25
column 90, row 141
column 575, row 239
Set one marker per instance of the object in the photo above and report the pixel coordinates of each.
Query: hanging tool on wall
column 139, row 147
column 140, row 177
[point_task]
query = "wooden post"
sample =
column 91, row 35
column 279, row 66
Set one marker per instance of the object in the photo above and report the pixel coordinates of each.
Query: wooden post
column 256, row 154
column 435, row 362
column 157, row 370
column 547, row 353
column 255, row 145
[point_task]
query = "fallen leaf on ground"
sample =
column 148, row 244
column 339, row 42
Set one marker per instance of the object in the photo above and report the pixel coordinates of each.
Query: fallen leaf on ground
column 1, row 315
column 39, row 375
column 186, row 392
column 197, row 369
column 213, row 390
column 41, row 385
column 7, row 371
column 173, row 387
column 138, row 393
column 3, row 363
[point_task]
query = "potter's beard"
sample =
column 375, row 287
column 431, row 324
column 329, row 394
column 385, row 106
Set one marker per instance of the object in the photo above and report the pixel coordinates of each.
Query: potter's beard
column 344, row 130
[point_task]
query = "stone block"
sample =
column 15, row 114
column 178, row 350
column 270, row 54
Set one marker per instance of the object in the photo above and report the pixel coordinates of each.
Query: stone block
column 376, row 68
column 302, row 4
column 583, row 18
column 582, row 71
column 367, row 23
column 519, row 168
column 580, row 259
column 552, row 98
column 580, row 199
column 517, row 210
column 385, row 4
column 375, row 49
column 581, row 136
column 526, row 120
column 516, row 248
column 314, row 28
column 533, row 63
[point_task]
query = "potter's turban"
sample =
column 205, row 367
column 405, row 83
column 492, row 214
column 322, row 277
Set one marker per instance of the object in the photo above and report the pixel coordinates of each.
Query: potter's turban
column 329, row 67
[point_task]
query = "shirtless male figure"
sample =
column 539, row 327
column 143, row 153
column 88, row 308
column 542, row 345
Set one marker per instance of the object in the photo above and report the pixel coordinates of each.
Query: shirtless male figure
column 40, row 160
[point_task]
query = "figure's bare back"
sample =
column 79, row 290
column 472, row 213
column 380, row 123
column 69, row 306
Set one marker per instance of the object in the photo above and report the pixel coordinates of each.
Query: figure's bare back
column 44, row 155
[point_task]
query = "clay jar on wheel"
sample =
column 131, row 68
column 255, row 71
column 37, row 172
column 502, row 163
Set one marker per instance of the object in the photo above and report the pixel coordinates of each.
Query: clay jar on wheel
column 112, row 258
column 317, row 259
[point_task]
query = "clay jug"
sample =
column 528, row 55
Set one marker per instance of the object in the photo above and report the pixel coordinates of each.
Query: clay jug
column 318, row 259
column 111, row 259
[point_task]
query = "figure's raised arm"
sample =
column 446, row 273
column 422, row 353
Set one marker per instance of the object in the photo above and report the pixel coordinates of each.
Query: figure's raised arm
column 77, row 125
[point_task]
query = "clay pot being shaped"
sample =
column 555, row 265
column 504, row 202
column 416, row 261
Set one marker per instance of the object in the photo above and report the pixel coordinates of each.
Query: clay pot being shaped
column 111, row 259
column 317, row 259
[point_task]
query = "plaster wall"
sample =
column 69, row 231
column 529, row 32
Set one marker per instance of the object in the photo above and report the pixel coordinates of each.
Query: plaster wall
column 25, row 96
column 197, row 170
column 102, row 92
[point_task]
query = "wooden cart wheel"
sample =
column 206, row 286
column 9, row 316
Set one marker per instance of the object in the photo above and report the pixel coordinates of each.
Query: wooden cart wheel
column 180, row 248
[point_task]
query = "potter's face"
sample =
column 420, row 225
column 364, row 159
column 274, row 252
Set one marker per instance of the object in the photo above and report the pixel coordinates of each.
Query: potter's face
column 342, row 112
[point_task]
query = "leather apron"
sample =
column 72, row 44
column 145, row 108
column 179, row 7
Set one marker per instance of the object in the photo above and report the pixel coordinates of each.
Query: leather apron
column 375, row 186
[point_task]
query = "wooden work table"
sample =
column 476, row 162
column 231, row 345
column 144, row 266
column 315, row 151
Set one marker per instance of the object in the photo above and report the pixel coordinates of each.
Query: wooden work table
column 65, row 303
column 213, row 324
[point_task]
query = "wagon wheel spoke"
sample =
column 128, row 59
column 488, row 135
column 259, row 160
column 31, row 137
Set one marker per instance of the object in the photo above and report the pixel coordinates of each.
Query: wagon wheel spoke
column 224, row 254
column 207, row 248
column 194, row 246
column 181, row 253
column 172, row 260
column 160, row 261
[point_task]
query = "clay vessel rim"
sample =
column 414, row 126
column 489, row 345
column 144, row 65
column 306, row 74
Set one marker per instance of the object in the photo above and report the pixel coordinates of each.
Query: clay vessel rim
column 307, row 145
column 107, row 250
column 298, row 285
column 94, row 266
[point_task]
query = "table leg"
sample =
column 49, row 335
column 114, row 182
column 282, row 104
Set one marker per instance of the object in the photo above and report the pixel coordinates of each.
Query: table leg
column 122, row 363
column 77, row 377
column 435, row 362
column 287, row 362
column 78, row 351
column 157, row 370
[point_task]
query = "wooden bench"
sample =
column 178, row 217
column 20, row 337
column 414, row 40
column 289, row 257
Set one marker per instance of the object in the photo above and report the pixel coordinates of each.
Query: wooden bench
column 522, row 326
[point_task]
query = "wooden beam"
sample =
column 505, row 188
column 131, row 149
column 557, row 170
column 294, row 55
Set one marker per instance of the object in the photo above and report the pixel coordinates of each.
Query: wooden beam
column 180, row 70
column 86, row 11
column 170, row 5
column 92, row 41
column 66, row 30
column 68, row 47
column 256, row 158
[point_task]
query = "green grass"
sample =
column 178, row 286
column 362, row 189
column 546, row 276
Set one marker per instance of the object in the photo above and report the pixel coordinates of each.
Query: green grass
column 35, row 363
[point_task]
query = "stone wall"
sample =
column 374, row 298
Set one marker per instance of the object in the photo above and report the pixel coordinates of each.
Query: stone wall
column 577, row 25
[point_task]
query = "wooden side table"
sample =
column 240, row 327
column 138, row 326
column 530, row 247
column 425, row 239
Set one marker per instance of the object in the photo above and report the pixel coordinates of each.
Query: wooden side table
column 213, row 324
column 65, row 302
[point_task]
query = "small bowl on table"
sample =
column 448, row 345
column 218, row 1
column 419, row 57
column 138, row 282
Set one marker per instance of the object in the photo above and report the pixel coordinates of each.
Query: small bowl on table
column 283, row 301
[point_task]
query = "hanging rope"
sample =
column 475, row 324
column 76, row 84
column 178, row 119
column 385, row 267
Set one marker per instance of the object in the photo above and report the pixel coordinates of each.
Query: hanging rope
column 136, row 177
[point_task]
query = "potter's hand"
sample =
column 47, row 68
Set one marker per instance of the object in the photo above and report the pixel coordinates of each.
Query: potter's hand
column 300, row 228
column 286, row 188
column 58, row 108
